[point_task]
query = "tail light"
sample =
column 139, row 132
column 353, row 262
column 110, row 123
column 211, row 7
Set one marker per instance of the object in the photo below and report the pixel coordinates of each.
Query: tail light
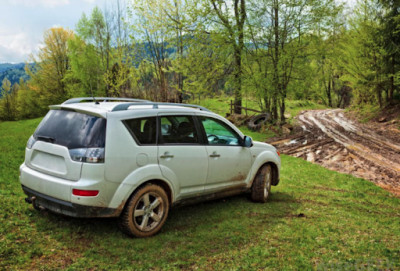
column 87, row 155
column 277, row 152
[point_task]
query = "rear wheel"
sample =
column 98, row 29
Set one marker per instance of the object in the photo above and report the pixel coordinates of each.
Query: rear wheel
column 262, row 184
column 146, row 212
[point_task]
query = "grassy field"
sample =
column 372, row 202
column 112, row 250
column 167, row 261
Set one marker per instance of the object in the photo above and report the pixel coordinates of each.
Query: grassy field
column 315, row 219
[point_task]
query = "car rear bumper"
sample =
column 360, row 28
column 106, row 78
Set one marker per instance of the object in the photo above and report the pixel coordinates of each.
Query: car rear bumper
column 68, row 208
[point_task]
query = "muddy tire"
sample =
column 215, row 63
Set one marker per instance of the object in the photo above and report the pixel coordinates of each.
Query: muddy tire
column 257, row 121
column 262, row 184
column 146, row 212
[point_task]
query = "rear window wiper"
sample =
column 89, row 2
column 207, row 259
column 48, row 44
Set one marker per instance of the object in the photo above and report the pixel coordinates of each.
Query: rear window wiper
column 46, row 139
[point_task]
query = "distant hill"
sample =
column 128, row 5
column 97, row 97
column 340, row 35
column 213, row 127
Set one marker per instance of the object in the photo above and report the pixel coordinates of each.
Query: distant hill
column 13, row 72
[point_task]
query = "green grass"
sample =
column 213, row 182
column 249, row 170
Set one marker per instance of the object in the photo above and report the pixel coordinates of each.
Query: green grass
column 365, row 112
column 315, row 219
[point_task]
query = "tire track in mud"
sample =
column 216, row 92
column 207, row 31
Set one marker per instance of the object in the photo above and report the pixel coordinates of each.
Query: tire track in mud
column 330, row 139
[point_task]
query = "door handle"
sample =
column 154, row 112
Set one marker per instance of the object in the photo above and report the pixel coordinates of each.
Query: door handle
column 215, row 154
column 166, row 155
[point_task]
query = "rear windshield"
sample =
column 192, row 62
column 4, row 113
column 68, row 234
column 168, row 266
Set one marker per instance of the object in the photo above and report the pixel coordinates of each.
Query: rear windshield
column 72, row 130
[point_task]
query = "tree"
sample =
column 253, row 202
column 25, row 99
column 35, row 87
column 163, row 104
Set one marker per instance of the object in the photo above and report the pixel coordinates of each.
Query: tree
column 122, row 78
column 181, row 18
column 85, row 77
column 234, row 27
column 326, row 45
column 153, row 31
column 279, row 31
column 49, row 69
column 8, row 101
column 206, row 65
column 362, row 55
column 390, row 20
column 91, row 54
column 27, row 101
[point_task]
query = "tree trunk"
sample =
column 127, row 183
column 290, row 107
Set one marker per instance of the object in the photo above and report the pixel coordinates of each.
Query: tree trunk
column 328, row 92
column 274, row 108
column 275, row 63
column 164, row 95
column 379, row 94
column 282, row 110
column 391, row 90
column 267, row 102
column 238, row 82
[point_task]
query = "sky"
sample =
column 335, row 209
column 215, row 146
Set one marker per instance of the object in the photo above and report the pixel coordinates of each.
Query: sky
column 23, row 22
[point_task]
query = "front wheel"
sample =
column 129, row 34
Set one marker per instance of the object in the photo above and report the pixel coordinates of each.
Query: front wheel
column 262, row 184
column 146, row 212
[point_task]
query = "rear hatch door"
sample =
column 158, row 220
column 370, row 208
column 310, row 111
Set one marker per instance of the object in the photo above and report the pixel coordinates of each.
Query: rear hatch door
column 60, row 132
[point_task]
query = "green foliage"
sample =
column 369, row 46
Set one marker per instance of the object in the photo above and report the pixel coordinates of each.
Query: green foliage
column 47, row 75
column 90, row 54
column 204, row 67
column 85, row 76
column 8, row 110
column 314, row 219
column 28, row 103
column 362, row 56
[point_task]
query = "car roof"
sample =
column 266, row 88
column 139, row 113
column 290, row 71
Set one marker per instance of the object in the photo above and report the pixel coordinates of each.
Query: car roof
column 103, row 108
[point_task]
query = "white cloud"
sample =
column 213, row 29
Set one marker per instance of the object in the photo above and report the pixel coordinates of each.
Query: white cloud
column 23, row 23
column 43, row 3
column 16, row 47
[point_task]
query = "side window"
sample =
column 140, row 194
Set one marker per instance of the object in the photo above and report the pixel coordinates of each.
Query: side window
column 218, row 133
column 178, row 130
column 143, row 130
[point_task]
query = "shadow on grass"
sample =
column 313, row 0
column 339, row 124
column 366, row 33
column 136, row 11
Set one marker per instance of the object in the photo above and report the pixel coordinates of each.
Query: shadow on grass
column 186, row 217
column 204, row 229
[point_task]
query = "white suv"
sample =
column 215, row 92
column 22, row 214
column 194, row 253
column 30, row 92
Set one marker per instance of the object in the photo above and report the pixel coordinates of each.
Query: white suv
column 133, row 159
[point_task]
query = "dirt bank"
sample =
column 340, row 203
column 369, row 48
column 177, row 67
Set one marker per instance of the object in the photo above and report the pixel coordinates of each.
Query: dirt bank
column 329, row 138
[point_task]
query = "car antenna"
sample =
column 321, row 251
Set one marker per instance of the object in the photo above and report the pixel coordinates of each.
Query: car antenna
column 94, row 99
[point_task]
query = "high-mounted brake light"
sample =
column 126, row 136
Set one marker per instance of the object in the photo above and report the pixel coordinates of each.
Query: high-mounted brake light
column 85, row 193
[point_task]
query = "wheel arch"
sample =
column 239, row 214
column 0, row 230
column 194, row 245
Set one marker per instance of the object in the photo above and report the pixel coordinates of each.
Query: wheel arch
column 266, row 157
column 274, row 169
column 163, row 184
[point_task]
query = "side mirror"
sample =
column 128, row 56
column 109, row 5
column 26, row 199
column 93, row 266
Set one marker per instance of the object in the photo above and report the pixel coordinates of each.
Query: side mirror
column 247, row 142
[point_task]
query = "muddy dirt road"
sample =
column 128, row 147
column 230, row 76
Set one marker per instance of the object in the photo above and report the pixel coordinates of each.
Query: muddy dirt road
column 329, row 138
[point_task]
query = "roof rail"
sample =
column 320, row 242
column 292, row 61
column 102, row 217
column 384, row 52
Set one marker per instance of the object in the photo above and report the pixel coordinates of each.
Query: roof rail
column 125, row 106
column 104, row 99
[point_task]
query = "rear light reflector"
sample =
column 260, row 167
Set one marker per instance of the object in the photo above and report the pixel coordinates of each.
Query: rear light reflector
column 279, row 154
column 85, row 193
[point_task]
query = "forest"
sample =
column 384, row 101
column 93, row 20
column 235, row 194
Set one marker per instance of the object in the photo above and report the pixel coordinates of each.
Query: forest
column 174, row 50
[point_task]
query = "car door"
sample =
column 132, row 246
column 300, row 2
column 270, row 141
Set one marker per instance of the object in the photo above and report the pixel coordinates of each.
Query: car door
column 182, row 159
column 229, row 162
